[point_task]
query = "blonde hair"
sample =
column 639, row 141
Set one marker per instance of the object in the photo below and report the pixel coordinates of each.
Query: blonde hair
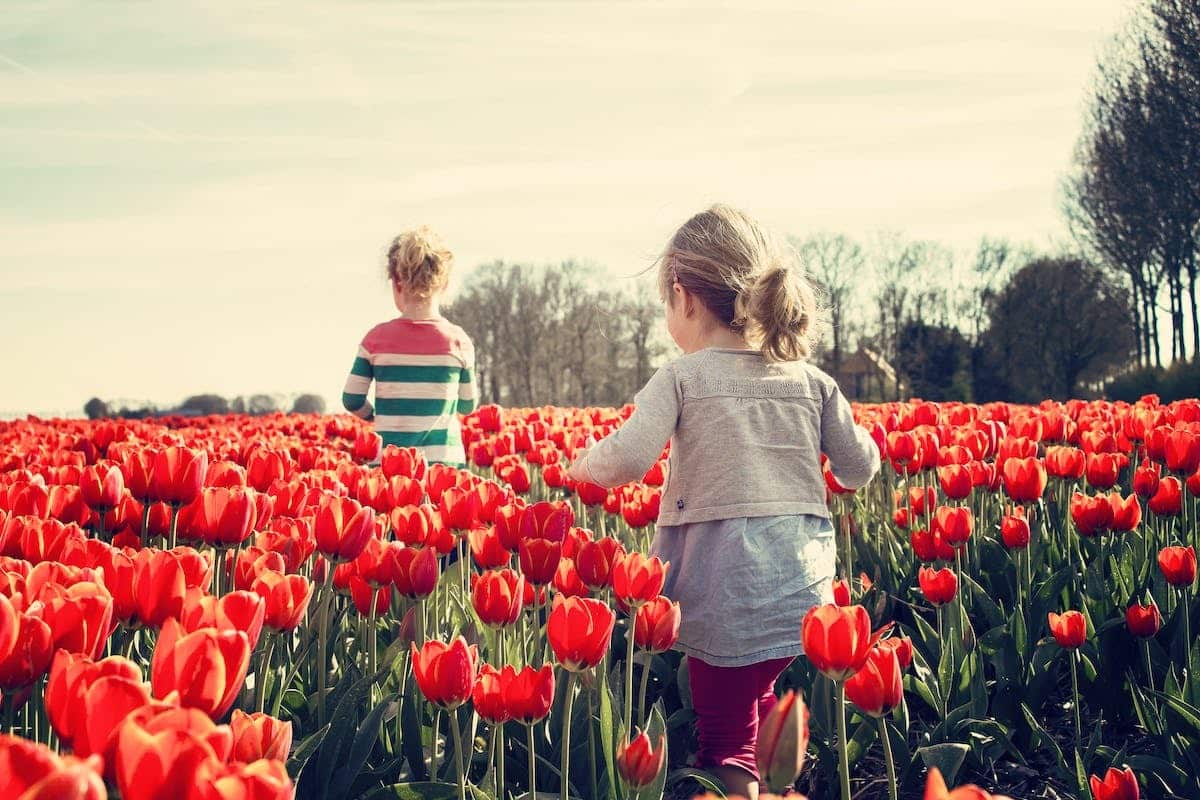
column 752, row 283
column 420, row 262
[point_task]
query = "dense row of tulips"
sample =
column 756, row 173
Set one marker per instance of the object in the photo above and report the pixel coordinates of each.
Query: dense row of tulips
column 268, row 607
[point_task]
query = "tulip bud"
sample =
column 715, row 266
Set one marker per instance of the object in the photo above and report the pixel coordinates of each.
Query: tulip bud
column 639, row 762
column 783, row 742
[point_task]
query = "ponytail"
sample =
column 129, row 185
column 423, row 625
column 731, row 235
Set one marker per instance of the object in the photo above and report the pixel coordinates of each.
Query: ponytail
column 780, row 305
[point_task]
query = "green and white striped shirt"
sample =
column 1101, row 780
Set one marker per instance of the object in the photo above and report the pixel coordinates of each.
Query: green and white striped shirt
column 424, row 374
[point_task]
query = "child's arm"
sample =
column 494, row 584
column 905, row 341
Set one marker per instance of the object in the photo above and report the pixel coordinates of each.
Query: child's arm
column 853, row 456
column 354, row 395
column 627, row 453
column 468, row 390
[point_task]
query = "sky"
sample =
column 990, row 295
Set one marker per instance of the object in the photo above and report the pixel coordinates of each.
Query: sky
column 197, row 196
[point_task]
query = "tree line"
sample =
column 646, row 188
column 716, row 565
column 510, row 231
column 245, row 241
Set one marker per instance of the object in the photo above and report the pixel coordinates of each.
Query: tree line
column 1133, row 198
column 198, row 405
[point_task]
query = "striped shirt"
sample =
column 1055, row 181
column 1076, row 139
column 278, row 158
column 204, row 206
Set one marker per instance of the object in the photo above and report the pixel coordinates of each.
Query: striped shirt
column 424, row 374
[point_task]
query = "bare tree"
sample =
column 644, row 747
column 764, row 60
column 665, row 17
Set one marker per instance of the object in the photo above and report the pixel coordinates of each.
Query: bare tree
column 834, row 262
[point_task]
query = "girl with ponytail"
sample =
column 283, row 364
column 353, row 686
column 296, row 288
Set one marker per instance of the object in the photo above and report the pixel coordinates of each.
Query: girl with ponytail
column 744, row 523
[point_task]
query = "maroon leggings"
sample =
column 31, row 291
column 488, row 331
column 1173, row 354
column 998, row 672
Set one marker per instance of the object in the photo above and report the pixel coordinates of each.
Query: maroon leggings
column 729, row 703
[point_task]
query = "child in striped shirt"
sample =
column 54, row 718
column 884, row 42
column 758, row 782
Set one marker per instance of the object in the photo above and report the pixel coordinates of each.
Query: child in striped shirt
column 423, row 365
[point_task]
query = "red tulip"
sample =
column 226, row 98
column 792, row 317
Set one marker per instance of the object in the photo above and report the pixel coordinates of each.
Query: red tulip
column 30, row 655
column 159, row 586
column 497, row 597
column 367, row 599
column 1178, row 565
column 878, row 687
column 546, row 521
column 1118, row 784
column 486, row 548
column 841, row 592
column 637, row 579
column 639, row 762
column 265, row 779
column 236, row 611
column 342, row 527
column 590, row 494
column 413, row 572
column 938, row 586
column 656, row 625
column 153, row 764
column 579, row 630
column 1127, row 512
column 1014, row 529
column 286, row 599
column 1091, row 515
column 1069, row 629
column 259, row 735
column 264, row 467
column 1182, row 453
column 530, row 694
column 459, row 507
column 1145, row 479
column 1103, row 469
column 79, row 616
column 539, row 560
column 406, row 461
column 1143, row 621
column 935, row 789
column 783, row 742
column 178, row 475
column 31, row 771
column 836, row 640
column 955, row 480
column 226, row 516
column 206, row 667
column 488, row 693
column 595, row 561
column 102, row 486
column 446, row 672
column 955, row 524
column 1024, row 479
column 81, row 717
column 1168, row 499
column 1065, row 462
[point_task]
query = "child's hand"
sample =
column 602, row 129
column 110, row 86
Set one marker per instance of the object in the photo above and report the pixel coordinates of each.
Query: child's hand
column 578, row 471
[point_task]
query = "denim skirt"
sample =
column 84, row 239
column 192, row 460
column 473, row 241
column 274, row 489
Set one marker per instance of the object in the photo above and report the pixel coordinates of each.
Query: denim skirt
column 744, row 584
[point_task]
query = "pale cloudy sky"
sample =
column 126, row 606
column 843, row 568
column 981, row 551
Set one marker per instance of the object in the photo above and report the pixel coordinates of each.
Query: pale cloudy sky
column 196, row 196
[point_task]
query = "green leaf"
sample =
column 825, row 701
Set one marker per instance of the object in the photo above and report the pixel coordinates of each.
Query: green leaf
column 948, row 758
column 1040, row 737
column 363, row 744
column 415, row 791
column 304, row 752
column 656, row 729
column 410, row 732
column 608, row 734
column 705, row 779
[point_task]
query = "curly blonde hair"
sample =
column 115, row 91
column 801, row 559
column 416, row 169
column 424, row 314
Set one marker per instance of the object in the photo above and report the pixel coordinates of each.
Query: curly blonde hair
column 752, row 283
column 419, row 262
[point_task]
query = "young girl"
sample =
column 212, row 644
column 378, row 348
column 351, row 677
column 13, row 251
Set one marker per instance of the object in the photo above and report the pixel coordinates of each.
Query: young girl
column 744, row 522
column 422, row 364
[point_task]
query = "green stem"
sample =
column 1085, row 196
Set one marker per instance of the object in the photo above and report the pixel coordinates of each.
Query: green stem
column 174, row 522
column 371, row 626
column 592, row 744
column 629, row 674
column 887, row 754
column 642, row 701
column 843, row 764
column 500, row 761
column 264, row 665
column 1185, row 608
column 1075, row 695
column 437, row 729
column 323, row 643
column 564, row 792
column 1149, row 667
column 458, row 756
column 532, row 761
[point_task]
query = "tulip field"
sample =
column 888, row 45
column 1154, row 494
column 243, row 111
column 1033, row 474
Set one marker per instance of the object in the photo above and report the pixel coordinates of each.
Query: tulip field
column 250, row 608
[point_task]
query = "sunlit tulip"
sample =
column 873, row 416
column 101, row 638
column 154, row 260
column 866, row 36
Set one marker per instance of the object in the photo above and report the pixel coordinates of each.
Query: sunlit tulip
column 286, row 599
column 878, row 686
column 539, row 559
column 159, row 586
column 939, row 586
column 656, row 625
column 206, row 667
column 530, row 694
column 1145, row 479
column 783, row 742
column 235, row 611
column 1069, row 629
column 487, row 696
column 836, row 640
column 258, row 736
column 497, row 597
column 1143, row 621
column 487, row 549
column 160, row 764
column 935, row 789
column 32, row 771
column 1014, row 529
column 1118, row 784
column 955, row 524
column 414, row 573
column 29, row 658
column 1065, row 462
column 1024, row 479
column 446, row 672
column 1091, row 515
column 579, row 630
column 1168, row 499
column 178, row 475
column 102, row 486
column 342, row 527
column 1178, row 565
column 639, row 761
column 637, row 579
column 85, row 718
column 595, row 561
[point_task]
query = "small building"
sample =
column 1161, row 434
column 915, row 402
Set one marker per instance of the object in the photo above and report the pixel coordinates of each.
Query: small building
column 865, row 376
